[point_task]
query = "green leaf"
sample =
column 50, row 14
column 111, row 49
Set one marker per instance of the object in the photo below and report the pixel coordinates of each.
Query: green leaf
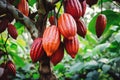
column 31, row 2
column 106, row 68
column 93, row 75
column 91, row 65
column 113, row 18
column 35, row 76
column 20, row 27
column 60, row 67
column 117, row 37
column 18, row 61
column 76, row 67
column 104, row 60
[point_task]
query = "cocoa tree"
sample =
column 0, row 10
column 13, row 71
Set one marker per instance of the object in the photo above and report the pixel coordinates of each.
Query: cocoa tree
column 48, row 45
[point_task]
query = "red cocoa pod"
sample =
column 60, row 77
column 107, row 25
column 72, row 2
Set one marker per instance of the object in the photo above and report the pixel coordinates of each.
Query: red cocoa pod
column 36, row 51
column 67, row 26
column 84, row 5
column 51, row 39
column 23, row 7
column 91, row 2
column 11, row 68
column 12, row 31
column 72, row 46
column 52, row 20
column 3, row 25
column 58, row 55
column 73, row 7
column 81, row 28
column 100, row 24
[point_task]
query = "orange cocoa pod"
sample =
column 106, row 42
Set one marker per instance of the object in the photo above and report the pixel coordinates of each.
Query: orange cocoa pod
column 67, row 26
column 12, row 31
column 51, row 39
column 58, row 55
column 100, row 24
column 73, row 7
column 23, row 7
column 36, row 51
column 81, row 28
column 72, row 46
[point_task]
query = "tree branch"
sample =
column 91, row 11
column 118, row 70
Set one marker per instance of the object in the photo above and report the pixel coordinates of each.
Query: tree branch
column 4, row 5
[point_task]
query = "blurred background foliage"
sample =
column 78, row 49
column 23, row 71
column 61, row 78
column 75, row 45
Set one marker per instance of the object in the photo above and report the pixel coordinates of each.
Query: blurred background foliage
column 97, row 59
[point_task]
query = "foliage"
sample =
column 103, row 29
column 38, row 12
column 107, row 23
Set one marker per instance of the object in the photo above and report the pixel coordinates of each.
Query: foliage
column 97, row 59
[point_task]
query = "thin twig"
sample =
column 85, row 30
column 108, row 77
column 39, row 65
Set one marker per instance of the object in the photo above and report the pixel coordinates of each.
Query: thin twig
column 5, row 45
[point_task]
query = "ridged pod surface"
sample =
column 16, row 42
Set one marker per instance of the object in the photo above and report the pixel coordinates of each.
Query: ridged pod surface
column 58, row 55
column 3, row 25
column 36, row 51
column 23, row 7
column 12, row 31
column 72, row 46
column 100, row 24
column 11, row 68
column 67, row 26
column 84, row 5
column 51, row 39
column 73, row 7
column 81, row 28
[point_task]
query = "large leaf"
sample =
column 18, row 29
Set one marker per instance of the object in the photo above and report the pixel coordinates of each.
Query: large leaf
column 113, row 18
column 18, row 61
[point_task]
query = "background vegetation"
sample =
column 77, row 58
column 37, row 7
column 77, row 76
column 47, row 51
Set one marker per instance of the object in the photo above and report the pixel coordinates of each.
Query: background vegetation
column 97, row 59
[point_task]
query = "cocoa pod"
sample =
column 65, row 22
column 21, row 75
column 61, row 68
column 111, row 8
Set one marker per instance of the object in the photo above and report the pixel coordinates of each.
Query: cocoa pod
column 81, row 28
column 52, row 20
column 23, row 7
column 73, row 7
column 3, row 25
column 12, row 31
column 91, row 2
column 51, row 39
column 84, row 5
column 100, row 24
column 72, row 46
column 11, row 68
column 67, row 26
column 58, row 55
column 36, row 51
